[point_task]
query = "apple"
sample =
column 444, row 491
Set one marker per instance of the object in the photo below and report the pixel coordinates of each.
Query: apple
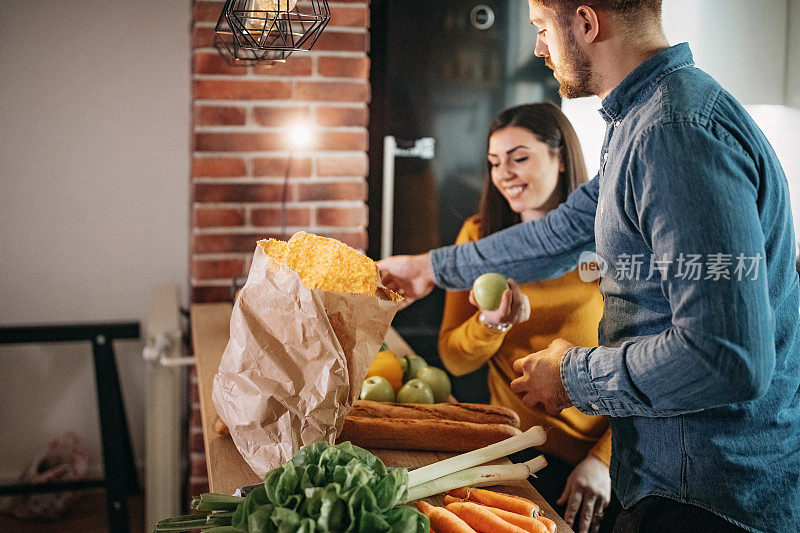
column 377, row 389
column 488, row 290
column 411, row 365
column 438, row 380
column 415, row 391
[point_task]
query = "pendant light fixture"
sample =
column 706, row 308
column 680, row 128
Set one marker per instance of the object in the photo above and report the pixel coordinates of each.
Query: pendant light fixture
column 267, row 31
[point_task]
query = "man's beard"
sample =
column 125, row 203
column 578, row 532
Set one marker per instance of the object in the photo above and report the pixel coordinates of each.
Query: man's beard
column 575, row 73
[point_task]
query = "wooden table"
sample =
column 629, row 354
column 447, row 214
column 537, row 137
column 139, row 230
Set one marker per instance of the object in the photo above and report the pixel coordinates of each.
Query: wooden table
column 228, row 471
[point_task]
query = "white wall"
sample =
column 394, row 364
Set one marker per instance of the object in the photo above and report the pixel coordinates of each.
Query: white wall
column 94, row 167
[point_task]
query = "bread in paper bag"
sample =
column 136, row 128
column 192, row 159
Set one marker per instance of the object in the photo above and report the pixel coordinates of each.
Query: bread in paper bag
column 303, row 332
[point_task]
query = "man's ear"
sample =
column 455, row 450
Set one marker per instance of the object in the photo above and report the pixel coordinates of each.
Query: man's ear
column 589, row 24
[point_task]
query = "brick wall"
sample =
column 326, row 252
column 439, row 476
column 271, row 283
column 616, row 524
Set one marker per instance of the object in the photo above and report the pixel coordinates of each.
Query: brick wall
column 241, row 153
column 240, row 157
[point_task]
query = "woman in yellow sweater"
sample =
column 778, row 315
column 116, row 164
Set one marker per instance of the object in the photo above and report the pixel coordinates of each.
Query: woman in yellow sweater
column 534, row 161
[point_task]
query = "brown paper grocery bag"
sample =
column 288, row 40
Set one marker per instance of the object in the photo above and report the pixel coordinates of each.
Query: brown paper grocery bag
column 295, row 361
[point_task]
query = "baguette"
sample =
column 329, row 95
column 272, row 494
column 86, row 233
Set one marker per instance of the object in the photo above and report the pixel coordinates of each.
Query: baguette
column 465, row 412
column 422, row 434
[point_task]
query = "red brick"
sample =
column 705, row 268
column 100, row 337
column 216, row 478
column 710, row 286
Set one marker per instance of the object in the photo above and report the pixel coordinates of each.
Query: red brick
column 342, row 166
column 237, row 192
column 218, row 167
column 213, row 63
column 333, row 91
column 265, row 141
column 216, row 243
column 219, row 116
column 195, row 416
column 342, row 216
column 342, row 116
column 241, row 90
column 279, row 115
column 198, row 486
column 198, row 464
column 239, row 142
column 208, row 217
column 217, row 268
column 271, row 216
column 295, row 65
column 195, row 443
column 357, row 239
column 205, row 294
column 342, row 140
column 341, row 41
column 344, row 67
column 206, row 11
column 345, row 190
column 194, row 392
column 202, row 37
column 276, row 167
column 354, row 17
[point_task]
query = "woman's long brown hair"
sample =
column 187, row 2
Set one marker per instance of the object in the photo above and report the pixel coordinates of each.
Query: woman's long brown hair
column 549, row 125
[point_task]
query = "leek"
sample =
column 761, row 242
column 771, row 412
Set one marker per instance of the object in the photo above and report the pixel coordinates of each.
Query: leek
column 535, row 436
column 477, row 475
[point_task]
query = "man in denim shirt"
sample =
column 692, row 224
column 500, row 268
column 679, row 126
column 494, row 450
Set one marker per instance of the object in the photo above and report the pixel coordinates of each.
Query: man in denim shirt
column 699, row 356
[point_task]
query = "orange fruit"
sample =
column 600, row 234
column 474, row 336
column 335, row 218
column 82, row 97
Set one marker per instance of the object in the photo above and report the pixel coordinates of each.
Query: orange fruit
column 387, row 365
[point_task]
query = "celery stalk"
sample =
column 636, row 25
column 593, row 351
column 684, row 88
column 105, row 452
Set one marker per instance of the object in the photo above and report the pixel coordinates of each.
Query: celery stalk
column 478, row 475
column 535, row 436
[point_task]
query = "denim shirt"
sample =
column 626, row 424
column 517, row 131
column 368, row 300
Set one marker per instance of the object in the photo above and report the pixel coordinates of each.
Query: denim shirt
column 699, row 357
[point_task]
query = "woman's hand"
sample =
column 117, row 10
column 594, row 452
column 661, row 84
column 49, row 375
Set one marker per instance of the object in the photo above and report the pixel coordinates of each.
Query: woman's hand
column 514, row 308
column 586, row 495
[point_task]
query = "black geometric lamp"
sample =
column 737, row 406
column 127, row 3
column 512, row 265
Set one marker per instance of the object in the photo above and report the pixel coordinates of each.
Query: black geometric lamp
column 267, row 31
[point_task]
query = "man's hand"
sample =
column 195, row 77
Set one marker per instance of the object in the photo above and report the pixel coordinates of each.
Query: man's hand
column 514, row 308
column 411, row 276
column 540, row 382
column 586, row 495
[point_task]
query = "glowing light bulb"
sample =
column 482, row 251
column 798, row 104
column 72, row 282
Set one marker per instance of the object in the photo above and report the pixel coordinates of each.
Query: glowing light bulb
column 300, row 135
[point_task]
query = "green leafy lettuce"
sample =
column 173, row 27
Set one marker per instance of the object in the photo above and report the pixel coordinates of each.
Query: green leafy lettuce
column 324, row 488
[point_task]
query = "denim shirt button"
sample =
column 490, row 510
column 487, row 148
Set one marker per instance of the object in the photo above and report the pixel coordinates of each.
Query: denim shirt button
column 605, row 156
column 594, row 406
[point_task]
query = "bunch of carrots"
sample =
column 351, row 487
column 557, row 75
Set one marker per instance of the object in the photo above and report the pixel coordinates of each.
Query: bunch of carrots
column 471, row 510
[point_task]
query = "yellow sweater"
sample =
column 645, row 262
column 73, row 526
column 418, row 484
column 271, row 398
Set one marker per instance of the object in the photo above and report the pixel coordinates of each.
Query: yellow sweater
column 564, row 307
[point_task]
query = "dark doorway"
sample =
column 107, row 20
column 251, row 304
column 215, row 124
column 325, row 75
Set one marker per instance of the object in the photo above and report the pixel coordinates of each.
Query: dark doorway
column 442, row 69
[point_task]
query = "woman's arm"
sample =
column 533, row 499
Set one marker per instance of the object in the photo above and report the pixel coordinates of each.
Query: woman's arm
column 464, row 343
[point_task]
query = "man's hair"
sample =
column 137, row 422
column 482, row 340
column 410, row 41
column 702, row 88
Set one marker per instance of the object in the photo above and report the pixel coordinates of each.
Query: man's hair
column 629, row 11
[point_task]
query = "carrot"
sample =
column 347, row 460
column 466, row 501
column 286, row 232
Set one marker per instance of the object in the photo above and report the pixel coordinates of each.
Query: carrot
column 481, row 519
column 515, row 504
column 549, row 524
column 451, row 499
column 525, row 522
column 443, row 520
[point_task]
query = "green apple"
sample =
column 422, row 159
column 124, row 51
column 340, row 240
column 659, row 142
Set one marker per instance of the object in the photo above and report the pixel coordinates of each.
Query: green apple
column 377, row 389
column 488, row 290
column 411, row 365
column 415, row 391
column 438, row 381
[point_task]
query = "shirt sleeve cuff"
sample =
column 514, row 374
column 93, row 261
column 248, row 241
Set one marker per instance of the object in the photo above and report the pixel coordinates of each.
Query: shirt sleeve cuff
column 578, row 381
column 445, row 273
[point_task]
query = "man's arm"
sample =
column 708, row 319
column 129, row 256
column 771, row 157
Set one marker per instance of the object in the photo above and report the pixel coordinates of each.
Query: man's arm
column 541, row 249
column 720, row 348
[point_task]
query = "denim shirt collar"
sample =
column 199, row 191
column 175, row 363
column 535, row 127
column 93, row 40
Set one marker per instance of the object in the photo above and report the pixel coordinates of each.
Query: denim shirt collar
column 636, row 84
